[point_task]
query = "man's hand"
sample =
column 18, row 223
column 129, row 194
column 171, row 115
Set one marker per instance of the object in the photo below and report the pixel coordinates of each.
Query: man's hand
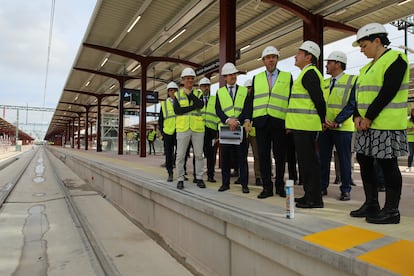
column 233, row 123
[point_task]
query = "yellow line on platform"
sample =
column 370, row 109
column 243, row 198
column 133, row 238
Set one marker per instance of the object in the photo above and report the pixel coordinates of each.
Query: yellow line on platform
column 342, row 238
column 397, row 257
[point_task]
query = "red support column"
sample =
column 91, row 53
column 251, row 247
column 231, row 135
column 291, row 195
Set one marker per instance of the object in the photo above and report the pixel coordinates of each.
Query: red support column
column 98, row 127
column 143, row 111
column 79, row 128
column 227, row 33
column 313, row 30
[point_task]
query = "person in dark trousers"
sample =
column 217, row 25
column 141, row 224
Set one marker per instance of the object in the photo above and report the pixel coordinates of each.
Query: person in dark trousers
column 380, row 118
column 304, row 118
column 232, row 109
column 166, row 123
column 338, row 126
column 151, row 136
column 271, row 92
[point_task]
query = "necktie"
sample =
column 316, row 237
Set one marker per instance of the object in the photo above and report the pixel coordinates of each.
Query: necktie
column 231, row 92
column 205, row 100
column 269, row 81
column 332, row 85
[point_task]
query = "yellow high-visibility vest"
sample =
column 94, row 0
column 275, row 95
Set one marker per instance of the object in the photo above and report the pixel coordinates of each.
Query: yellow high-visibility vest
column 370, row 82
column 192, row 120
column 302, row 113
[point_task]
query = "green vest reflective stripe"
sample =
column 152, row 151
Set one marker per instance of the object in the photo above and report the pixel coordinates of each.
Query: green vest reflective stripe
column 410, row 133
column 192, row 120
column 302, row 113
column 226, row 102
column 169, row 117
column 151, row 135
column 277, row 103
column 338, row 99
column 370, row 82
column 209, row 113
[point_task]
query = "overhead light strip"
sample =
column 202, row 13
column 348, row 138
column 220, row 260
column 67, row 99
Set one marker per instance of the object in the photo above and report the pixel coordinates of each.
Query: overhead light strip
column 136, row 68
column 104, row 61
column 134, row 23
column 245, row 48
column 175, row 37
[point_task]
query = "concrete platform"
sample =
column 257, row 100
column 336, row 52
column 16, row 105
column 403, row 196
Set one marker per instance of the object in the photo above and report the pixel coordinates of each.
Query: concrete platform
column 251, row 231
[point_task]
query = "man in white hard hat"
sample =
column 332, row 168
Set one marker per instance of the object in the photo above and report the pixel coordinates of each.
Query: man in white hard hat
column 189, row 126
column 305, row 116
column 252, row 141
column 232, row 109
column 166, row 124
column 338, row 128
column 211, row 125
column 271, row 92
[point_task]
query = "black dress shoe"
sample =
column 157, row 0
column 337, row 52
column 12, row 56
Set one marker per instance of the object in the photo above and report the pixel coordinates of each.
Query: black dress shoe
column 245, row 190
column 352, row 183
column 300, row 199
column 185, row 178
column 211, row 179
column 265, row 194
column 170, row 178
column 366, row 210
column 223, row 188
column 385, row 216
column 180, row 185
column 337, row 180
column 345, row 197
column 258, row 182
column 237, row 181
column 309, row 204
column 195, row 181
column 200, row 183
column 324, row 192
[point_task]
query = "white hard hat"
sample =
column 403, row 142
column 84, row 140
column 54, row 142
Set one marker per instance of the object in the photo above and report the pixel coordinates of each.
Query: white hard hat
column 367, row 30
column 172, row 85
column 188, row 72
column 248, row 83
column 337, row 56
column 228, row 69
column 204, row 81
column 311, row 47
column 270, row 50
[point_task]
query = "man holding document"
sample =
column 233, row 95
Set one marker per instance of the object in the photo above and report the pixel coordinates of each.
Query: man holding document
column 231, row 108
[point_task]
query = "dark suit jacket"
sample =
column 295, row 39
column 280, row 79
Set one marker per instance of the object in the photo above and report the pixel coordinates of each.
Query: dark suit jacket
column 245, row 114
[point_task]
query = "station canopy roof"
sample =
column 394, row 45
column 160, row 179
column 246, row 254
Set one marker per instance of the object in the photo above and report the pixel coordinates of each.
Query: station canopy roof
column 258, row 24
column 10, row 130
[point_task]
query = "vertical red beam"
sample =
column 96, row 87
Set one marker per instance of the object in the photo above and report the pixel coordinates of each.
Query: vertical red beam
column 313, row 30
column 98, row 127
column 121, row 117
column 227, row 33
column 79, row 129
column 143, row 111
column 86, row 127
column 91, row 136
column 73, row 134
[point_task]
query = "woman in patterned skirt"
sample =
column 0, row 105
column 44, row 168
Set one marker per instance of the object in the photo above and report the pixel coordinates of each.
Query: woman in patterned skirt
column 380, row 121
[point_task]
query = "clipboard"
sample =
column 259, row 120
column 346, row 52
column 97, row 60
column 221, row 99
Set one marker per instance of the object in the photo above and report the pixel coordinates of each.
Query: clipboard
column 227, row 136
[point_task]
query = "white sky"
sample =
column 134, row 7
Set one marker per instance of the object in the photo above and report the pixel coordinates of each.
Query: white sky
column 24, row 29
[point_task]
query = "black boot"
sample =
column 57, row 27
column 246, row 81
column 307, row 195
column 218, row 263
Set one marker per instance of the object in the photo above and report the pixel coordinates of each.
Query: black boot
column 367, row 209
column 371, row 206
column 389, row 214
column 385, row 216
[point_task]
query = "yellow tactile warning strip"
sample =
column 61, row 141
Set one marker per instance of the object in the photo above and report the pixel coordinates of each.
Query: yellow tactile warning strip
column 342, row 238
column 397, row 257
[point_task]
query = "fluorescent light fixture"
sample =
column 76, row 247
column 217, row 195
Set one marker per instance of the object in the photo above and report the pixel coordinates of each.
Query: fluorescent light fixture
column 104, row 61
column 76, row 98
column 87, row 83
column 175, row 37
column 134, row 23
column 403, row 2
column 112, row 86
column 136, row 68
column 245, row 47
column 213, row 77
column 341, row 11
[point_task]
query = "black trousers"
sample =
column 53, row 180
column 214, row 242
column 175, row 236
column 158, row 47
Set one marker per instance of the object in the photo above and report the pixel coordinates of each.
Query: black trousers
column 309, row 166
column 226, row 152
column 169, row 144
column 270, row 138
column 208, row 149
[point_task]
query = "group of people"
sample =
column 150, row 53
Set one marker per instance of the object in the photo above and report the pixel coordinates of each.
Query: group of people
column 314, row 113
